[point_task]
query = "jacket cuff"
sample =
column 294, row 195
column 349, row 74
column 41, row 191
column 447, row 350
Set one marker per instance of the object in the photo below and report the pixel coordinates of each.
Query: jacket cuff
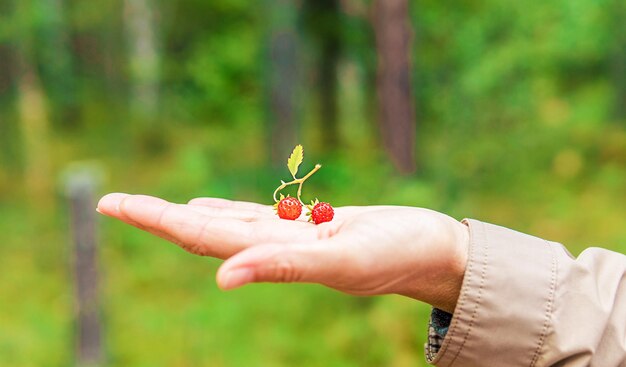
column 504, row 309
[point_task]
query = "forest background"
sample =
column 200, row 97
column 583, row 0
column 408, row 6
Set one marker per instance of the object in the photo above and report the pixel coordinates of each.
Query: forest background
column 509, row 112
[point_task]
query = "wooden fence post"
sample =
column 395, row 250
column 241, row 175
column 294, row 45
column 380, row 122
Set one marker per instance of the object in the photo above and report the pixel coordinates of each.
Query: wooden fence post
column 80, row 187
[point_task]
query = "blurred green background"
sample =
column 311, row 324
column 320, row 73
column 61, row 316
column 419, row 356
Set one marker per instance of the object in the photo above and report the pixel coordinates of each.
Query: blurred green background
column 508, row 112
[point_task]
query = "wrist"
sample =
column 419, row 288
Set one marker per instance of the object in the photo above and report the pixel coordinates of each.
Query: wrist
column 440, row 272
column 453, row 277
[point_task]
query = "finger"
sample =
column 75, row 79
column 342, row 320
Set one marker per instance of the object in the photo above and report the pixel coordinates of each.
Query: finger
column 322, row 262
column 109, row 203
column 240, row 214
column 232, row 204
column 196, row 233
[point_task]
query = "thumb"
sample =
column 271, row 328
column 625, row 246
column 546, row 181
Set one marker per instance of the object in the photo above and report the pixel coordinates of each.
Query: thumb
column 314, row 262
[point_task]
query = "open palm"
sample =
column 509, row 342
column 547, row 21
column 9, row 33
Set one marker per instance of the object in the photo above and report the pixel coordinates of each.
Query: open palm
column 367, row 250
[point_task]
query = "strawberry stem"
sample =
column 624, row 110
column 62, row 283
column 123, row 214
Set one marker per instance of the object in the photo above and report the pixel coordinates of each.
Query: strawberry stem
column 298, row 181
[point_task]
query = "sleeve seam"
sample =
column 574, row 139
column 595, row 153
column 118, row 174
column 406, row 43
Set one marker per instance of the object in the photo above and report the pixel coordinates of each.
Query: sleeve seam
column 478, row 296
column 549, row 306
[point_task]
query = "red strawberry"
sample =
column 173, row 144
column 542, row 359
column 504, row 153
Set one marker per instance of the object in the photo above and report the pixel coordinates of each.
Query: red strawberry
column 321, row 212
column 289, row 208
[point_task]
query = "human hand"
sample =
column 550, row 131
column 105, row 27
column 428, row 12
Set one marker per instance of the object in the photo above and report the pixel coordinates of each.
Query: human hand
column 369, row 250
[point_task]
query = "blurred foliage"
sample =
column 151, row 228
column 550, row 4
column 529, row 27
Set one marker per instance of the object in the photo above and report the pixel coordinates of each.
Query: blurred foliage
column 519, row 124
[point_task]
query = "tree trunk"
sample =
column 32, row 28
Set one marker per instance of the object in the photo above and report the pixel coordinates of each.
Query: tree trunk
column 140, row 26
column 324, row 26
column 619, row 62
column 34, row 124
column 57, row 71
column 283, row 75
column 33, row 118
column 6, row 78
column 9, row 158
column 395, row 101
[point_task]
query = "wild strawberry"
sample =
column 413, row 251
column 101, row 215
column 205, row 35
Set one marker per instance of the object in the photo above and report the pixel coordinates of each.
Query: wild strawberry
column 288, row 208
column 320, row 212
column 291, row 208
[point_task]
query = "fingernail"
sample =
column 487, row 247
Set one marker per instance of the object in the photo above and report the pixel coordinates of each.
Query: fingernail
column 109, row 204
column 237, row 277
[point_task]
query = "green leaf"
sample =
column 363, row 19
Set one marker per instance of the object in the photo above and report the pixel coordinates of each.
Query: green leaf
column 295, row 159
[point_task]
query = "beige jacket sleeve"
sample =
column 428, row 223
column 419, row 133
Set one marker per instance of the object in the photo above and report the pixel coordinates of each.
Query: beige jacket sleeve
column 527, row 302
